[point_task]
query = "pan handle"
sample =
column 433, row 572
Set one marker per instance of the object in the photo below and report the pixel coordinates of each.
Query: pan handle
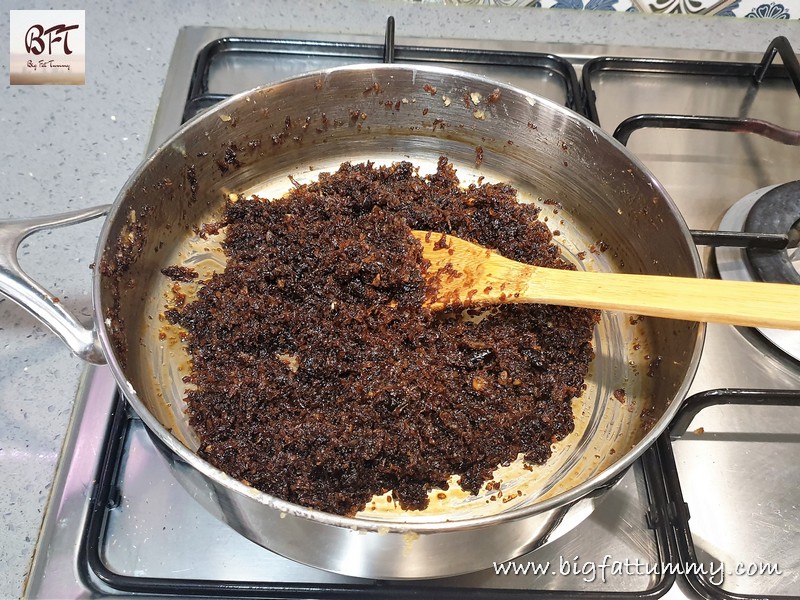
column 17, row 285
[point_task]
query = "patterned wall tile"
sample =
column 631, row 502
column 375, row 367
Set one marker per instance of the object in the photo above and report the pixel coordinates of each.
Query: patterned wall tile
column 751, row 9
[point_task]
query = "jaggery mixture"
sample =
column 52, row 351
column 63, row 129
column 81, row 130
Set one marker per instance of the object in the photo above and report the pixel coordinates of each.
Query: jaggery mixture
column 318, row 377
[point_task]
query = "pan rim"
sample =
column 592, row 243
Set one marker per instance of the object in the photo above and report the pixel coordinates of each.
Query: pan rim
column 365, row 523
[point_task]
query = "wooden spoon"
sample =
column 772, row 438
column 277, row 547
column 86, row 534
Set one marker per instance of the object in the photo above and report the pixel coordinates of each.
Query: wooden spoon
column 465, row 274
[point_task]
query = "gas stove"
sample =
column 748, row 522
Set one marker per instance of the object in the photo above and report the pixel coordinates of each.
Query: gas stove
column 711, row 510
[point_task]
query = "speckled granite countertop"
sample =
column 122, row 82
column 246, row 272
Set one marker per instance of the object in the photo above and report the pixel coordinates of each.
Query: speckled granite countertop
column 73, row 146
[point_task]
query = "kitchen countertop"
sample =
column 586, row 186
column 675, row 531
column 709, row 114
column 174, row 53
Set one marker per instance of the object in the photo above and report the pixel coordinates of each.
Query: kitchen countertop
column 70, row 147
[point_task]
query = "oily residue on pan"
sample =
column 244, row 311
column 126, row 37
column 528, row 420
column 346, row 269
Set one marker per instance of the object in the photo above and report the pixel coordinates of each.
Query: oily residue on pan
column 115, row 266
column 318, row 377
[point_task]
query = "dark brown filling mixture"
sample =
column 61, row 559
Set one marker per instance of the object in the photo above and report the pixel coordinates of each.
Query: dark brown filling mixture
column 321, row 380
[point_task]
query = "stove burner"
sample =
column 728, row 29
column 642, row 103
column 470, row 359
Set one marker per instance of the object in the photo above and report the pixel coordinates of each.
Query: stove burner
column 777, row 211
column 773, row 209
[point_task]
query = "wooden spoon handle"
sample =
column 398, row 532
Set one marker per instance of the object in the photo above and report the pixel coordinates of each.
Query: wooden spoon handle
column 735, row 302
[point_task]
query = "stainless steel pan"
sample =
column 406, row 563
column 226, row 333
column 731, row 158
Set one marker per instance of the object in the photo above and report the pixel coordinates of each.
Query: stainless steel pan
column 611, row 214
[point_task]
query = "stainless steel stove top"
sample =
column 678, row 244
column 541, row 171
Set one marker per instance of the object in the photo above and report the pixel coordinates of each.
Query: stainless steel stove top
column 736, row 468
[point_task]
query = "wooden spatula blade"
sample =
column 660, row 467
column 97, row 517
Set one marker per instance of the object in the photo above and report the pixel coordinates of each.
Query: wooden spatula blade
column 462, row 274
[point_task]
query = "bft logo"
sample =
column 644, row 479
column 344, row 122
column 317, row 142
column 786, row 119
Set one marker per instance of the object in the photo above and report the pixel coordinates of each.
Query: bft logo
column 48, row 47
column 35, row 41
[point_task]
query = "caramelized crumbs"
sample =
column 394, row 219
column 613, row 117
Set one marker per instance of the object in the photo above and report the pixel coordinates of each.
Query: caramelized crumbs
column 319, row 378
column 180, row 273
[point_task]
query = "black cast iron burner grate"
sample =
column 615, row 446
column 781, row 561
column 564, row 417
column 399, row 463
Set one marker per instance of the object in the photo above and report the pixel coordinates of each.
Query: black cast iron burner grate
column 202, row 97
column 755, row 73
column 678, row 509
column 667, row 513
column 759, row 242
column 105, row 494
column 106, row 498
